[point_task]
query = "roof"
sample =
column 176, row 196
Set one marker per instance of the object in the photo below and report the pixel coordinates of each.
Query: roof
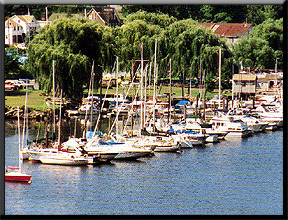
column 228, row 29
column 11, row 22
column 108, row 15
column 55, row 16
column 244, row 77
column 26, row 18
column 269, row 77
column 97, row 14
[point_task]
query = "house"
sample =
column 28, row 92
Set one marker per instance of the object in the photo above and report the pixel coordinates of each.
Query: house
column 106, row 16
column 269, row 82
column 18, row 27
column 231, row 32
column 244, row 84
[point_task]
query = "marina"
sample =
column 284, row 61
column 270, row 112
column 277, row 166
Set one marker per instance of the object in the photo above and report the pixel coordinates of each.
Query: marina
column 234, row 177
column 122, row 134
column 144, row 110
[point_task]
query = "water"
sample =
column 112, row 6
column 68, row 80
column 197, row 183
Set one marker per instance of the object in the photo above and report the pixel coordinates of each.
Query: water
column 236, row 177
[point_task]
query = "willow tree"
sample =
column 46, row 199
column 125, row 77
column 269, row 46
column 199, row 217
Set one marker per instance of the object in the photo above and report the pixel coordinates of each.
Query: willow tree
column 190, row 45
column 73, row 44
column 140, row 30
column 131, row 37
column 159, row 19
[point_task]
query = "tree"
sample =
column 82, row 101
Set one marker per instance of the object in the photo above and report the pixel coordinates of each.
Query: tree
column 189, row 46
column 134, row 33
column 12, row 66
column 14, row 69
column 159, row 19
column 201, row 13
column 254, row 53
column 257, row 14
column 73, row 44
column 271, row 31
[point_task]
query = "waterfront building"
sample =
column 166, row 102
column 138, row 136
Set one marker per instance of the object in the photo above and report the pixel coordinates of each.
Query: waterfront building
column 18, row 28
column 231, row 32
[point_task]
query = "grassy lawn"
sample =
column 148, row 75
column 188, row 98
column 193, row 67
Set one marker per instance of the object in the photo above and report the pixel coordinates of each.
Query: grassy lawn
column 17, row 98
column 36, row 99
column 176, row 91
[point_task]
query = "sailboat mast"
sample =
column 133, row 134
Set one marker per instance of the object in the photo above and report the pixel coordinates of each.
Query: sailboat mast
column 89, row 91
column 19, row 138
column 149, row 78
column 170, row 92
column 219, row 78
column 141, row 92
column 117, row 97
column 54, row 120
column 200, row 78
column 145, row 95
column 25, row 118
column 92, row 97
column 155, row 78
column 59, row 129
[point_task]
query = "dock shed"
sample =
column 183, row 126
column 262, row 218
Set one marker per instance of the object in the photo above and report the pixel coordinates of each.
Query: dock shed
column 244, row 84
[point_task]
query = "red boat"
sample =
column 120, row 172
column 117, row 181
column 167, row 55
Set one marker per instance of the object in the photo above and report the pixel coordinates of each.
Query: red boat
column 14, row 174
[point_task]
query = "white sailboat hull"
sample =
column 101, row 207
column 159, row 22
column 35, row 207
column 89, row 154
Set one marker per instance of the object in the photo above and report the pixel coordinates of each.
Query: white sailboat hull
column 64, row 161
column 63, row 158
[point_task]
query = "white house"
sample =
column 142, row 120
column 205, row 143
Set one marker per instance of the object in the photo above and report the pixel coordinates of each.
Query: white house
column 18, row 27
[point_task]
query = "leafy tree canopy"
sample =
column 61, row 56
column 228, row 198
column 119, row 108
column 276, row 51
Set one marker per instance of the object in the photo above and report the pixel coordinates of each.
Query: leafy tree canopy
column 73, row 44
column 162, row 20
column 254, row 53
column 189, row 46
column 271, row 31
column 254, row 14
column 129, row 39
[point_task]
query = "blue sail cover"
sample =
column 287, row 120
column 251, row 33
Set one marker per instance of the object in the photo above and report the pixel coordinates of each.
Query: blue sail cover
column 182, row 102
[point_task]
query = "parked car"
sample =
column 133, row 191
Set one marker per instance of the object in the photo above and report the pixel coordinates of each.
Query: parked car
column 10, row 85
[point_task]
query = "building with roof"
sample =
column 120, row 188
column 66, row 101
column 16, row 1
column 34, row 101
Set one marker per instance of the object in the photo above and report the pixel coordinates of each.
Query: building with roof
column 231, row 32
column 106, row 16
column 244, row 84
column 18, row 27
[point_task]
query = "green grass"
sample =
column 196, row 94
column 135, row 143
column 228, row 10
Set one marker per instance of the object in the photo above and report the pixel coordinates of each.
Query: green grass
column 37, row 102
column 35, row 99
column 176, row 91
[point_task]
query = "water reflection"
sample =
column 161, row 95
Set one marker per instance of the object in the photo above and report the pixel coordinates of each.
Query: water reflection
column 230, row 177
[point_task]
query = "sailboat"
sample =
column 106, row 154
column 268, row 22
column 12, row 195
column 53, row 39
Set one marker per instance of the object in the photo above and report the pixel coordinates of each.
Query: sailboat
column 14, row 173
column 24, row 148
column 61, row 157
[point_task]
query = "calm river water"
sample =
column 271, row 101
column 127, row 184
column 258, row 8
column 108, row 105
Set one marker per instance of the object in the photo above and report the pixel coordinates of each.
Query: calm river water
column 236, row 177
